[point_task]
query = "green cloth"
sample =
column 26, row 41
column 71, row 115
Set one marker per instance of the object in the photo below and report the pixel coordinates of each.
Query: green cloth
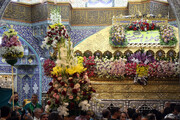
column 15, row 104
column 5, row 95
column 31, row 107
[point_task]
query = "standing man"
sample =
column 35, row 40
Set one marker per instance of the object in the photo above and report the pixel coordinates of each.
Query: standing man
column 33, row 104
column 16, row 103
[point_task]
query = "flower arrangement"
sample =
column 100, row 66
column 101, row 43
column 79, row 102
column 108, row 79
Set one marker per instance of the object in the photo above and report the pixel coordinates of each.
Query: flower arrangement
column 140, row 57
column 153, row 69
column 89, row 63
column 70, row 90
column 57, row 33
column 167, row 35
column 103, row 67
column 142, row 25
column 165, row 69
column 118, row 68
column 130, row 69
column 117, row 36
column 11, row 47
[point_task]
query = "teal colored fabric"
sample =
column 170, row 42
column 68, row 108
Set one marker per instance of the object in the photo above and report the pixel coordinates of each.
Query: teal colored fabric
column 31, row 107
column 5, row 95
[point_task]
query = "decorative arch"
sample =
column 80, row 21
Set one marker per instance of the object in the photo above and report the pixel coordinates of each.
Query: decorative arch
column 118, row 53
column 150, row 52
column 98, row 54
column 171, row 54
column 78, row 53
column 160, row 54
column 128, row 53
column 108, row 54
column 87, row 53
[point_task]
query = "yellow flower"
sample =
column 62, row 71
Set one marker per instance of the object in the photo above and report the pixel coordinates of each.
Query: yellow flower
column 56, row 70
column 54, row 25
column 142, row 71
column 76, row 69
column 80, row 60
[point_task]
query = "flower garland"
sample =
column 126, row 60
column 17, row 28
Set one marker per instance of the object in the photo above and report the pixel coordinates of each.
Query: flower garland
column 11, row 47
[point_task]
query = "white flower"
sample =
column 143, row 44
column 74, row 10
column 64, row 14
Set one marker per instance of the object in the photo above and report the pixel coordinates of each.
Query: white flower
column 63, row 110
column 77, row 86
column 84, row 105
column 47, row 108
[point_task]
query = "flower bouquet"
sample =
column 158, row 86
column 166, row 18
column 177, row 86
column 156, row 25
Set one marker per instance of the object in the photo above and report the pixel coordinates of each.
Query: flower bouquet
column 167, row 35
column 70, row 90
column 117, row 36
column 57, row 33
column 118, row 68
column 11, row 48
column 103, row 67
column 142, row 59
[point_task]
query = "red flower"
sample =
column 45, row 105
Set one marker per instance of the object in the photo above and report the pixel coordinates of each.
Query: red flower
column 89, row 97
column 85, row 82
column 56, row 38
column 84, row 93
column 56, row 101
column 62, row 83
column 142, row 28
column 56, row 91
column 130, row 26
column 74, row 91
column 50, row 84
column 49, row 102
column 48, row 66
column 72, row 105
column 135, row 28
column 72, row 85
column 63, row 93
column 94, row 90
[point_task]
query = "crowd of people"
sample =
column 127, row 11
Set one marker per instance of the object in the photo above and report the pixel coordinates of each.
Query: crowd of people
column 34, row 111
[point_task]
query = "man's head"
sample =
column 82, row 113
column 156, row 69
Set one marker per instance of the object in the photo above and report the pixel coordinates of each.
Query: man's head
column 37, row 112
column 34, row 99
column 123, row 116
column 5, row 112
column 115, row 112
column 44, row 116
column 16, row 97
column 106, row 113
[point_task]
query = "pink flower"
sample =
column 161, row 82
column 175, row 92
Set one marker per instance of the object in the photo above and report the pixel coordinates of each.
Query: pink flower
column 59, row 90
column 71, row 97
column 57, row 97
